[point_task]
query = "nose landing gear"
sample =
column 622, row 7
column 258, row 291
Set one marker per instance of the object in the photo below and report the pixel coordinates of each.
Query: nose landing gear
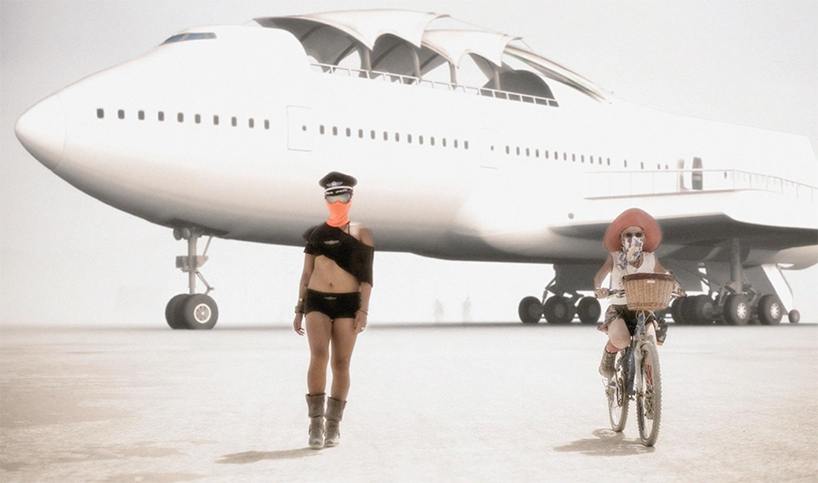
column 192, row 310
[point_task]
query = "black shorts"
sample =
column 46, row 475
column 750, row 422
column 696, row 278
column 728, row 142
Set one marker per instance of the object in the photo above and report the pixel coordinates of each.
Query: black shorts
column 333, row 305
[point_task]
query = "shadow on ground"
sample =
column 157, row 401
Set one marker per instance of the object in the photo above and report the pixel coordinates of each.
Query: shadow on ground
column 606, row 443
column 256, row 456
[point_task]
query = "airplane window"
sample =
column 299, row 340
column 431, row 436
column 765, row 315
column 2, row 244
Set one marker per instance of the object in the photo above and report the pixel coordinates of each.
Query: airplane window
column 121, row 114
column 215, row 120
column 180, row 117
column 397, row 137
column 574, row 158
column 455, row 145
column 527, row 152
column 190, row 36
column 444, row 142
column 420, row 139
column 141, row 115
column 565, row 156
column 518, row 149
column 372, row 134
column 303, row 127
column 508, row 150
column 583, row 158
column 609, row 161
column 626, row 163
column 321, row 129
column 197, row 118
column 234, row 121
column 161, row 116
column 349, row 133
column 334, row 130
column 251, row 123
column 409, row 138
column 432, row 142
column 360, row 133
column 465, row 145
column 385, row 136
column 642, row 165
column 266, row 124
column 100, row 113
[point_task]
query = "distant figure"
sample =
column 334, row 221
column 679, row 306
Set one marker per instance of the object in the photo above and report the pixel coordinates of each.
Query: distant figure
column 438, row 310
column 630, row 240
column 334, row 292
column 467, row 309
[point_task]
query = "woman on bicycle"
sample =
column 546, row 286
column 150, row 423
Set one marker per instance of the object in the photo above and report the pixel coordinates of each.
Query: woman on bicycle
column 630, row 241
column 333, row 296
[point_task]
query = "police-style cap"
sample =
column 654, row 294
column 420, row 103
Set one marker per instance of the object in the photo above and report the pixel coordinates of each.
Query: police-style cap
column 335, row 183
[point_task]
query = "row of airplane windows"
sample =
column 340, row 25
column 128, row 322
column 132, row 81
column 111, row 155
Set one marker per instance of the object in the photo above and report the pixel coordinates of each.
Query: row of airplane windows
column 251, row 123
column 527, row 152
column 180, row 117
column 323, row 130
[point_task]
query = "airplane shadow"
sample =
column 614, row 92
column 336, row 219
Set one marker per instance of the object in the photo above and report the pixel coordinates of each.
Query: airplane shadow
column 256, row 456
column 606, row 443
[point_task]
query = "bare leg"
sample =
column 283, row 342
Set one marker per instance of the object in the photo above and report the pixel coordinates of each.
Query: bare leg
column 618, row 334
column 343, row 342
column 319, row 333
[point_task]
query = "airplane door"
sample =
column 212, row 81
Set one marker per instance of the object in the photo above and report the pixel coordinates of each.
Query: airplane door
column 299, row 137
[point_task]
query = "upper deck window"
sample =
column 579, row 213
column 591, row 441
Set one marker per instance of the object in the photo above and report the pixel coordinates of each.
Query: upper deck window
column 190, row 36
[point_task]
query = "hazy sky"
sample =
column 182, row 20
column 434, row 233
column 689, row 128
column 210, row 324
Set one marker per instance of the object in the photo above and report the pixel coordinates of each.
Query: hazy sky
column 66, row 258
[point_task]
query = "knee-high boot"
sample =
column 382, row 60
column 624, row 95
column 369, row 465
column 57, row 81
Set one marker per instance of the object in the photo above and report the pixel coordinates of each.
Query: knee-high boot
column 315, row 407
column 335, row 412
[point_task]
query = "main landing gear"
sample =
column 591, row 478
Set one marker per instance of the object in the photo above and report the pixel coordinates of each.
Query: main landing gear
column 559, row 306
column 192, row 310
column 732, row 303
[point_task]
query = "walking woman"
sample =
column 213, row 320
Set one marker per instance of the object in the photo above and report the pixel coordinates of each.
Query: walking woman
column 333, row 297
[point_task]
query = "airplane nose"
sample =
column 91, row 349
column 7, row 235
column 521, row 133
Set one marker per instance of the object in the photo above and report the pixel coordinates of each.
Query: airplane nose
column 41, row 130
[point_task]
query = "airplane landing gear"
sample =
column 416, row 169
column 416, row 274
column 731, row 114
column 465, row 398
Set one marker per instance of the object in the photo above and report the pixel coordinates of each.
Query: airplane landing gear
column 559, row 305
column 192, row 310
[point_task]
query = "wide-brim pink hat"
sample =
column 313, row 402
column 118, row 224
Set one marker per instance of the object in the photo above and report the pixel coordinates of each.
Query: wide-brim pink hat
column 633, row 217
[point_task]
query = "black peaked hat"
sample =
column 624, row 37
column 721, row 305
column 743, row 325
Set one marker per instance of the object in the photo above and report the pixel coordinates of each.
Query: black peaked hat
column 336, row 183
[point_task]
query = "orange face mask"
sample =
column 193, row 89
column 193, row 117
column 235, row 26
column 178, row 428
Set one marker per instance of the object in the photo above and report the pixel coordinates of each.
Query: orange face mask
column 338, row 213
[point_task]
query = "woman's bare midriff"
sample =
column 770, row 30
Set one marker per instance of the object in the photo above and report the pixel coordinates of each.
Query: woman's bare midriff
column 328, row 277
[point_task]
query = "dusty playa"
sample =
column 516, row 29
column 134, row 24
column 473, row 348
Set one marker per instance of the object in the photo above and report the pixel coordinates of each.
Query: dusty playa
column 486, row 402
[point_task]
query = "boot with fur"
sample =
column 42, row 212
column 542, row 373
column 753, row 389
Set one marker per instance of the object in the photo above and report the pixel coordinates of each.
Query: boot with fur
column 335, row 412
column 315, row 407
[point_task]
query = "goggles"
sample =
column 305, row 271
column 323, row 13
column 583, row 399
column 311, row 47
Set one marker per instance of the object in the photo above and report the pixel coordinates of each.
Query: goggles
column 638, row 234
column 342, row 197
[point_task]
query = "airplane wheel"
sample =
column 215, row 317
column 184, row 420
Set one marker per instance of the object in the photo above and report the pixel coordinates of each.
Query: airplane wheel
column 199, row 312
column 736, row 310
column 557, row 310
column 530, row 310
column 173, row 312
column 589, row 310
column 697, row 310
column 676, row 311
column 794, row 316
column 769, row 310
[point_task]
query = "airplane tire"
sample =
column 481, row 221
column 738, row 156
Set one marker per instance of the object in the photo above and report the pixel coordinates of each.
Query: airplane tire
column 589, row 310
column 769, row 310
column 557, row 310
column 676, row 311
column 530, row 310
column 736, row 310
column 698, row 309
column 794, row 316
column 199, row 312
column 173, row 312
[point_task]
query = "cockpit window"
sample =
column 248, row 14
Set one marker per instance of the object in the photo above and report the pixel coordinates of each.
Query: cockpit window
column 190, row 36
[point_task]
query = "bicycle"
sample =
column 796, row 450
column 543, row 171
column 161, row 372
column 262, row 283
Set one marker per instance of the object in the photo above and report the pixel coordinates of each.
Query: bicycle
column 637, row 373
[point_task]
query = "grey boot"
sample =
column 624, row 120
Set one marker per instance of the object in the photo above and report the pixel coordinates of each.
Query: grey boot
column 606, row 367
column 335, row 412
column 315, row 406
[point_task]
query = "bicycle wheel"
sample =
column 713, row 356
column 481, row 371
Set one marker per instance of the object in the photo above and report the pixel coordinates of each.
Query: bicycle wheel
column 617, row 392
column 649, row 396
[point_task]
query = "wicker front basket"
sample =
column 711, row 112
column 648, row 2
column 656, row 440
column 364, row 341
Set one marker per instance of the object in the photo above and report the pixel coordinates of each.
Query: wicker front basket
column 648, row 291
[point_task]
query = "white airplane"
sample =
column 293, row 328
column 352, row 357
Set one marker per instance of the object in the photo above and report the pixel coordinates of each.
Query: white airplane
column 466, row 143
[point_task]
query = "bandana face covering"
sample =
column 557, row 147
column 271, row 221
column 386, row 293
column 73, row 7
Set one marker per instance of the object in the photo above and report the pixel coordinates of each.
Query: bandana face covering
column 631, row 250
column 338, row 213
